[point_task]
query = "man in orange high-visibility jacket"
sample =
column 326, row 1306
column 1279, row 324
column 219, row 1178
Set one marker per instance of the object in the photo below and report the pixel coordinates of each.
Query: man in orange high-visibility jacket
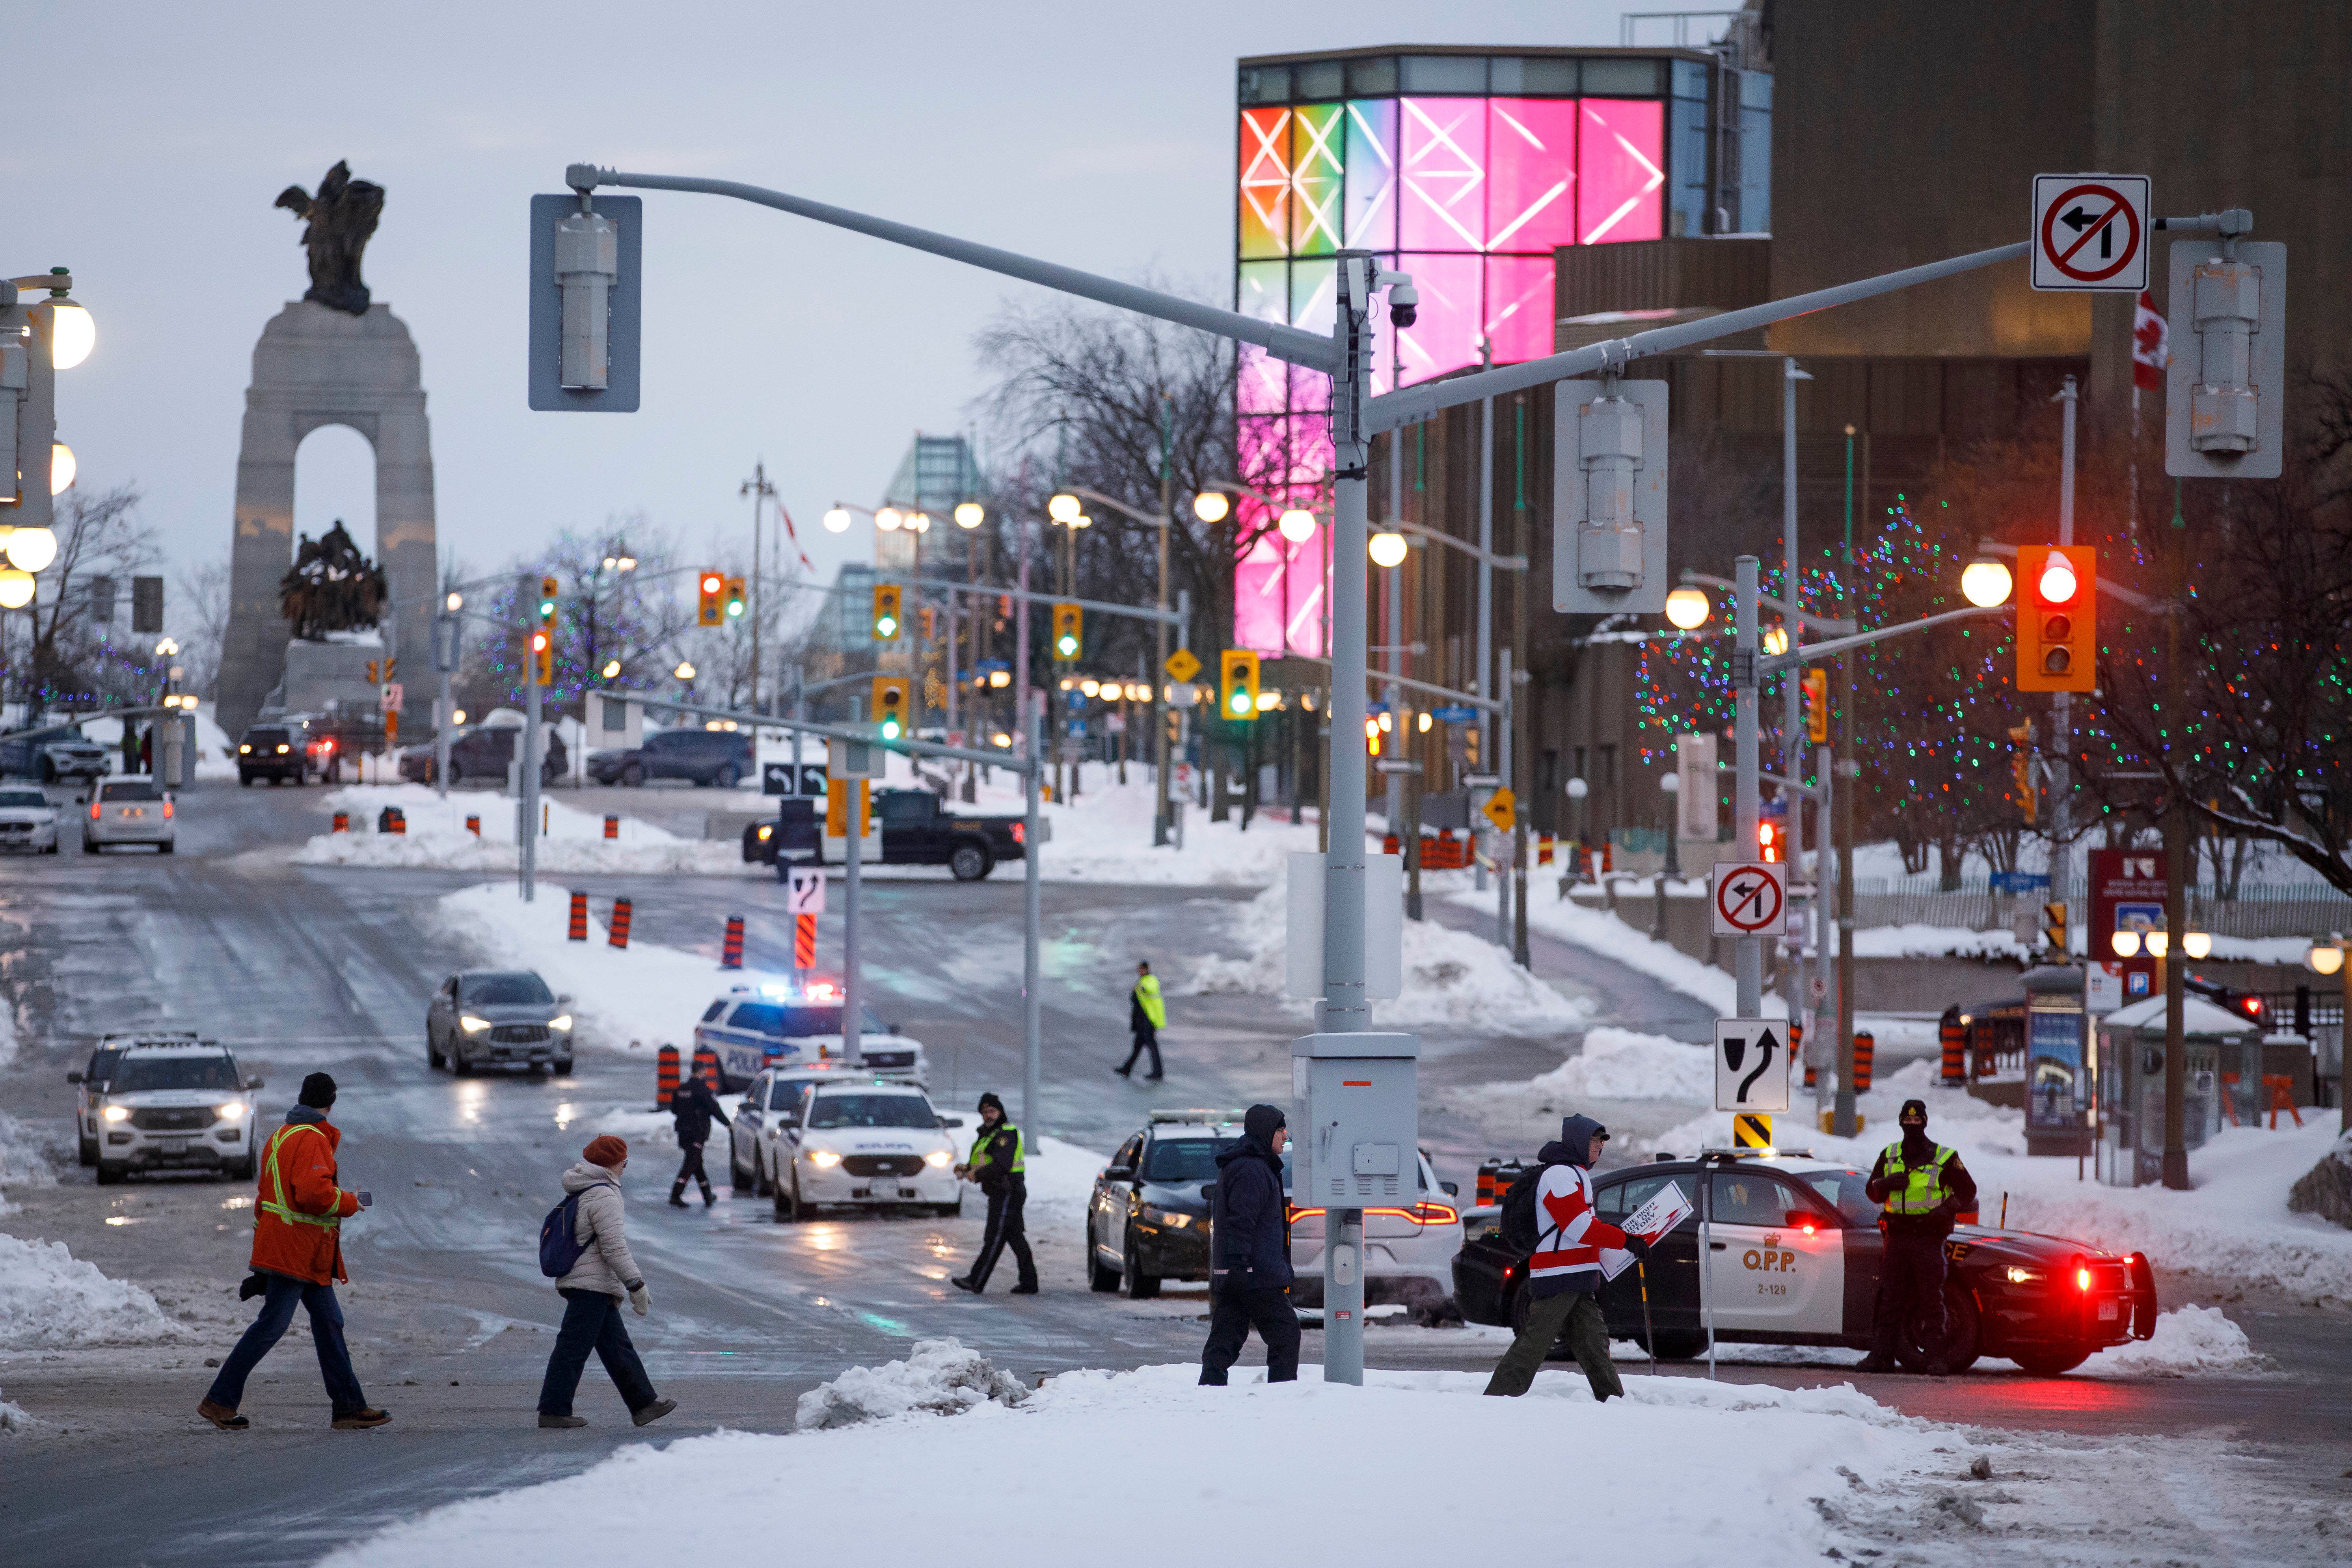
column 298, row 1256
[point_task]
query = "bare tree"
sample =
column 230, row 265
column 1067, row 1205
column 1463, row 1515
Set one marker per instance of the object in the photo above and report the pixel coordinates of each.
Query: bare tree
column 74, row 656
column 203, row 620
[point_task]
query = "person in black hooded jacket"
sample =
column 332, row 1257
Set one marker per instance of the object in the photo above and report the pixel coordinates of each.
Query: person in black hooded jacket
column 1923, row 1186
column 1249, row 1262
column 1563, row 1277
column 694, row 1107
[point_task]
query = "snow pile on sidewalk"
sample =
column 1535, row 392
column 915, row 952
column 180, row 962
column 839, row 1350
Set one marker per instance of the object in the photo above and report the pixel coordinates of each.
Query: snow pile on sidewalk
column 1936, row 942
column 1449, row 976
column 438, row 837
column 27, row 1157
column 16, row 1421
column 940, row 1378
column 1253, row 1452
column 1616, row 1064
column 215, row 753
column 50, row 1300
column 1597, row 930
column 2190, row 1341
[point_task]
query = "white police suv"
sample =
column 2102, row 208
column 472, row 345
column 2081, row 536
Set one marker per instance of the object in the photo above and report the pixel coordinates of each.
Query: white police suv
column 754, row 1028
column 823, row 1137
column 166, row 1103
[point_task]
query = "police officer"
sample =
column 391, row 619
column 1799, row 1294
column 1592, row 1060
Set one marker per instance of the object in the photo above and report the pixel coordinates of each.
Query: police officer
column 1922, row 1184
column 997, row 1161
column 694, row 1107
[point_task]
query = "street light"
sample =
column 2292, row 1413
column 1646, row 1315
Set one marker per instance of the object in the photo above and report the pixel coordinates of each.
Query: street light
column 1387, row 548
column 2157, row 943
column 887, row 518
column 970, row 514
column 1297, row 525
column 166, row 648
column 611, row 668
column 2325, row 957
column 1985, row 583
column 31, row 549
column 457, row 602
column 1212, row 506
column 1064, row 508
column 2126, row 943
column 837, row 519
column 16, row 588
column 62, row 467
column 1687, row 608
column 918, row 522
column 72, row 333
column 1776, row 640
column 685, row 670
column 2196, row 943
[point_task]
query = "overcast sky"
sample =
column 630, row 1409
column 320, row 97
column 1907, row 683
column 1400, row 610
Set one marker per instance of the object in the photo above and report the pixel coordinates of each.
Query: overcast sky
column 145, row 143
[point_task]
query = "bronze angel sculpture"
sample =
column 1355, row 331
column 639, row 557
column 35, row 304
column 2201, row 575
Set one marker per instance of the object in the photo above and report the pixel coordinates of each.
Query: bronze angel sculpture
column 338, row 222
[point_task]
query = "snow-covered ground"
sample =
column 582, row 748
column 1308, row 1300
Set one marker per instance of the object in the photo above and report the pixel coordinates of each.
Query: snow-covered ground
column 1597, row 930
column 1614, row 1064
column 1449, row 976
column 438, row 837
column 50, row 1300
column 27, row 1153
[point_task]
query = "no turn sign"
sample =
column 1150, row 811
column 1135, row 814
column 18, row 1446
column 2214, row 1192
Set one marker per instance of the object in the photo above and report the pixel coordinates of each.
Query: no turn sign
column 1750, row 897
column 2090, row 233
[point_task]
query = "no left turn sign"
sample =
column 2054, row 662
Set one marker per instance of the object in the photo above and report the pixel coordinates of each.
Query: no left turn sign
column 1750, row 898
column 2090, row 233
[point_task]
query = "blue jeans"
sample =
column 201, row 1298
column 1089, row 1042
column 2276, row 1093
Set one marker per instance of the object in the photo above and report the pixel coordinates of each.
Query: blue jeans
column 591, row 1321
column 277, row 1316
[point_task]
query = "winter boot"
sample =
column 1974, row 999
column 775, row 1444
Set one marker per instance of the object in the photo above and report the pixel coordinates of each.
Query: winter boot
column 222, row 1417
column 652, row 1413
column 709, row 1198
column 549, row 1422
column 678, row 1188
column 359, row 1420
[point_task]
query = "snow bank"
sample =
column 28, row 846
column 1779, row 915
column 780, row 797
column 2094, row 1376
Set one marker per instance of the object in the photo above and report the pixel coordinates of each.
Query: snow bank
column 1619, row 1064
column 215, row 753
column 2190, row 1341
column 1597, row 930
column 1449, row 976
column 27, row 1157
column 16, row 1421
column 437, row 838
column 1254, row 1451
column 1936, row 942
column 51, row 1300
column 1105, row 836
column 940, row 1378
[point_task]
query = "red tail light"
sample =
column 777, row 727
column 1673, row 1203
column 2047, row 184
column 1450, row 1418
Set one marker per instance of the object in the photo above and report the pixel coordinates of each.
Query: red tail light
column 167, row 811
column 93, row 811
column 1423, row 1213
column 2081, row 1274
column 1020, row 833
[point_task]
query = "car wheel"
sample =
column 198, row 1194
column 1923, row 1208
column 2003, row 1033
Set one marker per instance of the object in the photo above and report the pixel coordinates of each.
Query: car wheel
column 632, row 775
column 458, row 1066
column 245, row 1169
column 166, row 846
column 88, row 1151
column 970, row 863
column 761, row 1187
column 50, row 850
column 726, row 777
column 244, row 779
column 455, row 773
column 2041, row 1360
column 789, row 1207
column 738, row 1181
column 951, row 1211
column 434, row 1059
column 1963, row 1329
column 1141, row 1286
column 1101, row 1278
column 562, row 1067
column 110, row 1174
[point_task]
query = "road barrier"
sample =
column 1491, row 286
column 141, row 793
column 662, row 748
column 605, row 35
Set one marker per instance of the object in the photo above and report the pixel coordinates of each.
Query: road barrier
column 474, row 825
column 804, row 942
column 620, row 937
column 578, row 931
column 392, row 819
column 611, row 826
column 730, row 952
column 343, row 822
column 1953, row 1035
column 1797, row 1048
column 665, row 1076
column 706, row 1066
column 1494, row 1179
column 1865, row 1047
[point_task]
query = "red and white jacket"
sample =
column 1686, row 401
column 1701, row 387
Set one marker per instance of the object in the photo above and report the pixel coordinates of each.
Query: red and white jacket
column 1568, row 1235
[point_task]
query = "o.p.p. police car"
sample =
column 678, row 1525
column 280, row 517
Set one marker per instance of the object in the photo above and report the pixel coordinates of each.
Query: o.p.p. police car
column 753, row 1027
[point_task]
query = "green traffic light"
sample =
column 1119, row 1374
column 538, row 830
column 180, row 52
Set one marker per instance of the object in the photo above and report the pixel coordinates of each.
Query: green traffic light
column 547, row 607
column 1068, row 646
column 734, row 607
column 886, row 627
column 1241, row 702
column 889, row 728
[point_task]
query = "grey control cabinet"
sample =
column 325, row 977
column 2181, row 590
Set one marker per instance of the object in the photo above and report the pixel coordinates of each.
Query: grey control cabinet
column 1355, row 1121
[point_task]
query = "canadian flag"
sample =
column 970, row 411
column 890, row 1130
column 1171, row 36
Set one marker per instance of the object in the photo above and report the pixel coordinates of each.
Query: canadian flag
column 2151, row 343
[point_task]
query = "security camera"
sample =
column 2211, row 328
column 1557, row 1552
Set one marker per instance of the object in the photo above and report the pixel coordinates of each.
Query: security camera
column 1403, row 304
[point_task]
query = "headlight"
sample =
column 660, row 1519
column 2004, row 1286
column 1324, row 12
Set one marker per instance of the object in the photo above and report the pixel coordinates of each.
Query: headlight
column 561, row 1022
column 938, row 1159
column 823, row 1159
column 2023, row 1276
column 116, row 1113
column 241, row 750
column 231, row 1112
column 474, row 1025
column 1168, row 1217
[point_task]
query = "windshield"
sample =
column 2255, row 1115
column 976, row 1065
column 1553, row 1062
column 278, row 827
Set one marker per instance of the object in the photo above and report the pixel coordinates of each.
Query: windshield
column 23, row 797
column 128, row 792
column 266, row 736
column 521, row 989
column 1845, row 1188
column 139, row 1073
column 871, row 1110
column 1184, row 1159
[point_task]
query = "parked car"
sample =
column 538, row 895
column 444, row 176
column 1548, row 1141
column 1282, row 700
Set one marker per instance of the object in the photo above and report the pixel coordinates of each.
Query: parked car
column 720, row 757
column 128, row 811
column 482, row 753
column 498, row 1018
column 915, row 828
column 606, row 765
column 27, row 820
column 53, row 755
column 171, row 1103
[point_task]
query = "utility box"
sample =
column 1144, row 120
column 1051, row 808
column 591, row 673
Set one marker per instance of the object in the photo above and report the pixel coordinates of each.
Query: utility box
column 1355, row 1121
column 1609, row 498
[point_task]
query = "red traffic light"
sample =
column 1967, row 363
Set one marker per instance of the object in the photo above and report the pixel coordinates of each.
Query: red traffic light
column 712, row 582
column 2058, row 584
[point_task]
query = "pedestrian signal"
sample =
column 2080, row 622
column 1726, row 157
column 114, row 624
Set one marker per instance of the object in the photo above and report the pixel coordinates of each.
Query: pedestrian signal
column 1069, row 631
column 547, row 588
column 542, row 658
column 2057, row 618
column 890, row 705
column 887, row 623
column 1237, row 683
column 709, row 612
column 731, row 600
column 1816, row 684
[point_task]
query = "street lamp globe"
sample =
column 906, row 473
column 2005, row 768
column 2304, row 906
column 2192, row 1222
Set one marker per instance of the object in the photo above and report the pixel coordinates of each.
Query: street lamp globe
column 16, row 588
column 887, row 518
column 1063, row 508
column 918, row 522
column 1425, row 721
column 1297, row 525
column 1985, row 583
column 1687, row 608
column 1576, row 789
column 456, row 602
column 685, row 670
column 2196, row 943
column 72, row 334
column 970, row 514
column 611, row 668
column 2157, row 943
column 1082, row 520
column 837, row 519
column 1212, row 506
column 1670, row 783
column 1776, row 640
column 1090, row 686
column 2325, row 958
column 2126, row 943
column 62, row 467
column 1388, row 548
column 32, row 549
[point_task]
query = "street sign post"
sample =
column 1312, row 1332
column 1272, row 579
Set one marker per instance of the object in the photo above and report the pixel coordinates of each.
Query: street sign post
column 1752, row 1065
column 1751, row 896
column 2090, row 233
column 1502, row 809
column 1182, row 665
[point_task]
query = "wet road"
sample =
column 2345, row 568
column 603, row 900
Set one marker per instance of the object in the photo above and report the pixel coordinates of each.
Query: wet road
column 308, row 968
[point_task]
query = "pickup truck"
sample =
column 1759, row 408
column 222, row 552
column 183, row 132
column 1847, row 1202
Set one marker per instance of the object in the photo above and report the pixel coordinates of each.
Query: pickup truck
column 914, row 831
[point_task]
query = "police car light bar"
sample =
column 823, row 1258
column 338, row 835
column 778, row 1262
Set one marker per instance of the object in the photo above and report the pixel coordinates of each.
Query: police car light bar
column 1764, row 1153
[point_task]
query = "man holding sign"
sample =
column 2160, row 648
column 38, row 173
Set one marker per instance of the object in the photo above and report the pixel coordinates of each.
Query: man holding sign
column 1549, row 1213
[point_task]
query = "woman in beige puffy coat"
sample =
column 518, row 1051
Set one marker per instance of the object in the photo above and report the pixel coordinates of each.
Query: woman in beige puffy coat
column 604, row 1276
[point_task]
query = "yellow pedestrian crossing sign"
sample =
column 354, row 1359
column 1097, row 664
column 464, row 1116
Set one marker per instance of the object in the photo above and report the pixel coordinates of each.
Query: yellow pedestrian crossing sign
column 1182, row 665
column 1502, row 810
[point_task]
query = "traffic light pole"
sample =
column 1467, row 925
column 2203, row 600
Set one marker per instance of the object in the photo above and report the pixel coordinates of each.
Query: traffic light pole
column 527, row 829
column 1747, row 957
column 2062, row 732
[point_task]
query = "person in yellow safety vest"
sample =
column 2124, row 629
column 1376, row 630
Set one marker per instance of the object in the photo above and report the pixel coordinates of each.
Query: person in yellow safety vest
column 298, row 1256
column 1922, row 1185
column 1146, row 1015
column 998, row 1162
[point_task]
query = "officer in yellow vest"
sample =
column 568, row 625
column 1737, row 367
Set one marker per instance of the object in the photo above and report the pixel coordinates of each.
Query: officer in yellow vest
column 998, row 1162
column 1922, row 1185
column 1147, row 1014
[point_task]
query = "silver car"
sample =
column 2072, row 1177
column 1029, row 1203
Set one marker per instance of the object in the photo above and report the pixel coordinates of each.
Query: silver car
column 498, row 1018
column 27, row 820
column 128, row 811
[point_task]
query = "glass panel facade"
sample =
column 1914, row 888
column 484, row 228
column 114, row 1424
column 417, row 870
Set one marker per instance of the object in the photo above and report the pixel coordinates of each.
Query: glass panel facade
column 1621, row 149
column 1444, row 73
column 1318, row 158
column 1552, row 76
column 1320, row 78
column 1265, row 182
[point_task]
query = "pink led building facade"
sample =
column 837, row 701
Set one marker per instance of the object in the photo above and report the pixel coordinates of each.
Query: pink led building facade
column 1466, row 170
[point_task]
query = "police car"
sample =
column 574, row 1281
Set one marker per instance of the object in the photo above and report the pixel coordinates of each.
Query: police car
column 166, row 1101
column 1793, row 1255
column 823, row 1136
column 753, row 1027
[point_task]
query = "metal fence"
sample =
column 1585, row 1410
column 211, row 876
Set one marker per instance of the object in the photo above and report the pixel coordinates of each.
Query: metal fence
column 2290, row 908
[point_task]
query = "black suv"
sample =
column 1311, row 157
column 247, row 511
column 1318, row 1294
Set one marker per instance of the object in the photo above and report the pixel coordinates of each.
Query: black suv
column 481, row 754
column 274, row 751
column 722, row 757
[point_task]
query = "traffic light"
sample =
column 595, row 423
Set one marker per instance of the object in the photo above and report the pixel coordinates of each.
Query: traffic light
column 374, row 667
column 2057, row 618
column 734, row 598
column 890, row 705
column 2054, row 926
column 547, row 588
column 887, row 623
column 1237, row 683
column 1771, row 840
column 1816, row 684
column 709, row 612
column 542, row 658
column 2021, row 769
column 1069, row 631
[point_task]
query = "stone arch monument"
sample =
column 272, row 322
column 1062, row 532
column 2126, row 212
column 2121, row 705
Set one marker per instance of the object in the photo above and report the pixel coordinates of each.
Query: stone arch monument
column 332, row 357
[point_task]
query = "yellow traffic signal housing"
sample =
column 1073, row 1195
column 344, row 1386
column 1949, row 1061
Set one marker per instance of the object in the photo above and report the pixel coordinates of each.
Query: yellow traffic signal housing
column 2020, row 768
column 1069, row 632
column 1238, row 684
column 888, row 624
column 890, row 705
column 373, row 677
column 2057, row 618
column 2054, row 926
column 733, row 599
column 709, row 612
column 548, row 589
column 1816, row 684
column 542, row 658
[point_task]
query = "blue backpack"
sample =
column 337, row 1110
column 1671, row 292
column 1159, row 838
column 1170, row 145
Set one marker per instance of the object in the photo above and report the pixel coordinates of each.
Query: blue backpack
column 560, row 1246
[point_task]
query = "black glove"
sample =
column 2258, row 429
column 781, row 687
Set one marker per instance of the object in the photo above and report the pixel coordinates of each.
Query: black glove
column 1637, row 1245
column 256, row 1284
